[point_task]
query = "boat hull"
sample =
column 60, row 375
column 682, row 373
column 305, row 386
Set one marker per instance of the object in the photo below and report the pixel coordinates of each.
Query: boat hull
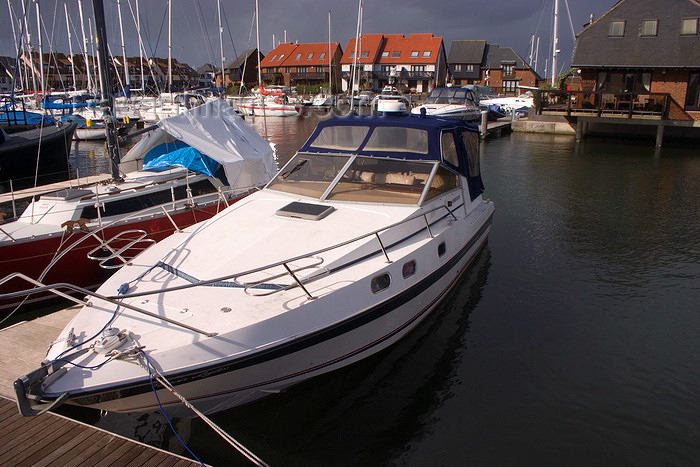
column 19, row 152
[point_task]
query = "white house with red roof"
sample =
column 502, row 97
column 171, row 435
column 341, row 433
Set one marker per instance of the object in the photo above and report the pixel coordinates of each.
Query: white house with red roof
column 302, row 64
column 415, row 63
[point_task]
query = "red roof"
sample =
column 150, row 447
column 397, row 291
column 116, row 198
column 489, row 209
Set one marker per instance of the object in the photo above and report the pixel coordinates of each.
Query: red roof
column 423, row 48
column 288, row 54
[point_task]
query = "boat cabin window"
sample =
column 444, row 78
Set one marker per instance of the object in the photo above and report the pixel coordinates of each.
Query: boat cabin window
column 398, row 139
column 348, row 138
column 471, row 143
column 449, row 149
column 374, row 180
column 121, row 207
column 443, row 181
column 380, row 283
column 308, row 175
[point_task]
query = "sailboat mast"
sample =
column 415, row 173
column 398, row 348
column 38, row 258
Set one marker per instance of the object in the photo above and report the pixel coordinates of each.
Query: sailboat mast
column 555, row 41
column 330, row 59
column 221, row 45
column 88, row 74
column 170, row 41
column 70, row 45
column 41, row 50
column 121, row 33
column 106, row 84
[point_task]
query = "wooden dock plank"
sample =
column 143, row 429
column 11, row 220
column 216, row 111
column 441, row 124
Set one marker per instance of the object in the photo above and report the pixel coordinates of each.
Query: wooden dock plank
column 33, row 338
column 50, row 439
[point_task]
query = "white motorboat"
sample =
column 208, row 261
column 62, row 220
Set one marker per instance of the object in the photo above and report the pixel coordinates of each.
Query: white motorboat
column 519, row 104
column 270, row 103
column 184, row 171
column 450, row 102
column 352, row 244
column 391, row 102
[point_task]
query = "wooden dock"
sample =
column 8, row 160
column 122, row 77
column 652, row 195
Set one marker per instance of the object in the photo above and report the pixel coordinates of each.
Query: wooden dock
column 52, row 439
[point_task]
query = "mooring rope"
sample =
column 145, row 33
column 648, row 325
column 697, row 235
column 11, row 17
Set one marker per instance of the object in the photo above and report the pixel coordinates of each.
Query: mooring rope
column 153, row 372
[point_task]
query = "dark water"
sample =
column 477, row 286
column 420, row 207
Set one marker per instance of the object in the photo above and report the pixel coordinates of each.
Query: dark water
column 574, row 338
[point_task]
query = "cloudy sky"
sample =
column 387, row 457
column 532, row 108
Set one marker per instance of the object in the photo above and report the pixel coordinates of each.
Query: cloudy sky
column 195, row 34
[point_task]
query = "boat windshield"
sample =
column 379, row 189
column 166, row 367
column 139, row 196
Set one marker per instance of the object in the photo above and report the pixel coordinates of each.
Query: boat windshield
column 365, row 179
column 447, row 96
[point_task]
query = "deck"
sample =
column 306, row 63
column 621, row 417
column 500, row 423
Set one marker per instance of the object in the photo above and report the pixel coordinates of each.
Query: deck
column 52, row 439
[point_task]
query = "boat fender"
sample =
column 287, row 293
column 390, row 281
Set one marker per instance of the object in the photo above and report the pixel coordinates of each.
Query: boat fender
column 111, row 339
column 88, row 123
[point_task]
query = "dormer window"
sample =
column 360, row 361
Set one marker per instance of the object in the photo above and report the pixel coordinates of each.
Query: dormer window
column 298, row 57
column 396, row 54
column 414, row 53
column 426, row 53
column 385, row 54
column 689, row 27
column 617, row 29
column 310, row 56
column 649, row 27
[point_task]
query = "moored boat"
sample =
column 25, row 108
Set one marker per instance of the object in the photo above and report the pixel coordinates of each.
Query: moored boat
column 391, row 102
column 351, row 245
column 450, row 102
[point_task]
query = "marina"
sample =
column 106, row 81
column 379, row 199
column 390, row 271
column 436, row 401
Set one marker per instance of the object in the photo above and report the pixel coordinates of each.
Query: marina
column 512, row 280
column 549, row 327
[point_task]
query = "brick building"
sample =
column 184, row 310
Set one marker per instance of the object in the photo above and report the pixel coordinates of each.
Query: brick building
column 645, row 46
column 291, row 64
column 501, row 68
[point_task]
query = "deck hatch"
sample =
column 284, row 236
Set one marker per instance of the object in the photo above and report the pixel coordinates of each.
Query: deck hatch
column 308, row 211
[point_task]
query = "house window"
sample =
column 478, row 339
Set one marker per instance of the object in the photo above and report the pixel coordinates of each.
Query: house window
column 649, row 27
column 310, row 56
column 273, row 57
column 298, row 56
column 414, row 53
column 417, row 67
column 322, row 56
column 396, row 53
column 507, row 70
column 281, row 57
column 352, row 54
column 470, row 67
column 426, row 53
column 302, row 69
column 385, row 54
column 617, row 29
column 458, row 67
column 689, row 27
column 386, row 68
column 365, row 54
column 510, row 86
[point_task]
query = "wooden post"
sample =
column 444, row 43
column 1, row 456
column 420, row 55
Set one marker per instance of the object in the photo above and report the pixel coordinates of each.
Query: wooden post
column 659, row 135
column 484, row 123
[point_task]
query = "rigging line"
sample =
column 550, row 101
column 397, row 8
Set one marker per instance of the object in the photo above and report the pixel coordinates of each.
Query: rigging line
column 235, row 54
column 220, row 431
column 571, row 24
column 203, row 28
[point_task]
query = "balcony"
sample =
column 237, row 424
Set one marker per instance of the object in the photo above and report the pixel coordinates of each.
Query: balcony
column 309, row 75
column 652, row 105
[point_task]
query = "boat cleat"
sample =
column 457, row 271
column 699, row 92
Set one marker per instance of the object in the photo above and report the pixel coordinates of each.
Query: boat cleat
column 112, row 338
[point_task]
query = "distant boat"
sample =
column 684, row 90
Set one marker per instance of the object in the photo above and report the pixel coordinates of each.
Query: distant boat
column 270, row 103
column 391, row 102
column 520, row 104
column 450, row 102
column 87, row 129
column 32, row 144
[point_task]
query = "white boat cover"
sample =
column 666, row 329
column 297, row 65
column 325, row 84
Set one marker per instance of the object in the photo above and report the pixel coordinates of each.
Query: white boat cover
column 216, row 130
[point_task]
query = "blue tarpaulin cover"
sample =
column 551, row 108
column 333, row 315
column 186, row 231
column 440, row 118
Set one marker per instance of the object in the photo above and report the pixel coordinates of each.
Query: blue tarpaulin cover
column 179, row 154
